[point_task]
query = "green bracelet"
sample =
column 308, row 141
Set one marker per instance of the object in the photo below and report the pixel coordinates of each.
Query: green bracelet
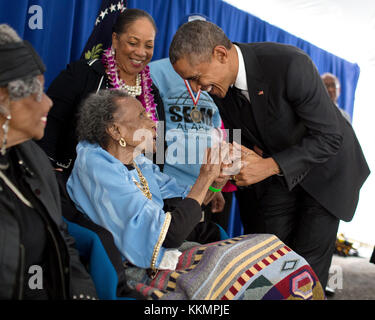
column 214, row 189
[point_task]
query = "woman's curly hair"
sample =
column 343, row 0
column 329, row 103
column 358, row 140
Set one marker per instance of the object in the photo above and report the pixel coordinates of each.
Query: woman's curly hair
column 96, row 115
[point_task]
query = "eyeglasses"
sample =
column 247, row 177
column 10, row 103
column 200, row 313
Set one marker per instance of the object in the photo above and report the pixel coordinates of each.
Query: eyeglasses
column 332, row 85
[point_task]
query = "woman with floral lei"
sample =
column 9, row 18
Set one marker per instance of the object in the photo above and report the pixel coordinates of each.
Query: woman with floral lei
column 126, row 61
column 122, row 66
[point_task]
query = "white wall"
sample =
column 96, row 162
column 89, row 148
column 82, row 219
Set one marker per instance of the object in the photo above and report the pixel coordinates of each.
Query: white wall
column 345, row 28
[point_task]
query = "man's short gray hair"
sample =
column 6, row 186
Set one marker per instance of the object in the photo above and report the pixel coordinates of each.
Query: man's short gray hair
column 96, row 115
column 331, row 75
column 19, row 88
column 196, row 40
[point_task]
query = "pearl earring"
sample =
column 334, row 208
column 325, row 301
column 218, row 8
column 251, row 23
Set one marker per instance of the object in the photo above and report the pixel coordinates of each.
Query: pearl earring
column 5, row 128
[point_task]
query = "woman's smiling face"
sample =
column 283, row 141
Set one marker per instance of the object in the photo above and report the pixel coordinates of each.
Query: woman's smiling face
column 135, row 125
column 29, row 115
column 135, row 47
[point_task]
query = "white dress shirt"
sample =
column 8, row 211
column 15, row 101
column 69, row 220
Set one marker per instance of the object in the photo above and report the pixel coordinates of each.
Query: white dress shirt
column 241, row 82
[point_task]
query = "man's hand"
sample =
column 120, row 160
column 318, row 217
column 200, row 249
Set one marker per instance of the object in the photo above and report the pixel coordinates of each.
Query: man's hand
column 254, row 168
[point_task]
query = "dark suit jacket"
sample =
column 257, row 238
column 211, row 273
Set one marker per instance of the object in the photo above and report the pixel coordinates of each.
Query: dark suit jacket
column 300, row 127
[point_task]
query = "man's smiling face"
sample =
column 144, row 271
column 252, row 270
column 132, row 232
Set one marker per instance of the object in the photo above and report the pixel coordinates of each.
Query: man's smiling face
column 212, row 76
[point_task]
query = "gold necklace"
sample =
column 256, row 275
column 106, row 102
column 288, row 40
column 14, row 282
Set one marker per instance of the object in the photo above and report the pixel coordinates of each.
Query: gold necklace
column 144, row 188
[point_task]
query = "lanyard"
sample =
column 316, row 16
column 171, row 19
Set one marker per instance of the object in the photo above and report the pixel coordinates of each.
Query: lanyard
column 191, row 93
column 195, row 114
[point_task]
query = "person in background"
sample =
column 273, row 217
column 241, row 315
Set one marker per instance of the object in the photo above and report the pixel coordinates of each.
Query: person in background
column 333, row 86
column 192, row 136
column 304, row 161
column 122, row 66
column 38, row 258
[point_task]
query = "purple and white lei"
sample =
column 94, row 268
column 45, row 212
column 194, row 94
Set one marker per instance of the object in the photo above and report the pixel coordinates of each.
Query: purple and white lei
column 146, row 97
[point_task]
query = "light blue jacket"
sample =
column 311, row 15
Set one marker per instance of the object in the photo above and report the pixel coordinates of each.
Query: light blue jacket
column 103, row 188
column 186, row 140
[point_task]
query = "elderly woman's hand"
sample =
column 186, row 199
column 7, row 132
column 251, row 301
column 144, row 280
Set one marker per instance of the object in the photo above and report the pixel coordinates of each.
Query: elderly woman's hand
column 211, row 166
column 210, row 172
column 217, row 202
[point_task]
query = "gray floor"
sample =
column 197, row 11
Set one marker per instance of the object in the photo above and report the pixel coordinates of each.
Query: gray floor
column 354, row 278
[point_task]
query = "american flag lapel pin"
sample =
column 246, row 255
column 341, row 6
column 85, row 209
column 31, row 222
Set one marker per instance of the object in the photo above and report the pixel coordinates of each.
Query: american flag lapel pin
column 260, row 93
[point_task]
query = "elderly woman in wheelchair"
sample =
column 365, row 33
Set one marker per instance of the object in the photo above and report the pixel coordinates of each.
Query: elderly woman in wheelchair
column 153, row 219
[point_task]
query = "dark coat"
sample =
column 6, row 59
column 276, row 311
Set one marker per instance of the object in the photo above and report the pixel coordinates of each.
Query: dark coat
column 67, row 92
column 300, row 127
column 70, row 275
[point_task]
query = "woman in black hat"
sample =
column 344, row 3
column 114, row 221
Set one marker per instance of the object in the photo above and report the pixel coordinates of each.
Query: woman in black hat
column 38, row 260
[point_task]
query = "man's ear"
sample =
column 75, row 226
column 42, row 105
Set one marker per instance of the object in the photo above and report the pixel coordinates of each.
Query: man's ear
column 220, row 53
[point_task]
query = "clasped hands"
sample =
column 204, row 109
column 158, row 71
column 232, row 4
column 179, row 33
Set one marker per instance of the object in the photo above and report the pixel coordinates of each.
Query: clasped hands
column 238, row 163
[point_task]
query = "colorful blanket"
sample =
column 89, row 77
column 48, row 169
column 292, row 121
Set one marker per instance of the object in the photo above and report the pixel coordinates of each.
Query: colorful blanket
column 250, row 267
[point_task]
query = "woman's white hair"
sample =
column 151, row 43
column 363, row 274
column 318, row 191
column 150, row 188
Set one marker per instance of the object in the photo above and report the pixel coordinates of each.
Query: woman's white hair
column 19, row 88
column 8, row 35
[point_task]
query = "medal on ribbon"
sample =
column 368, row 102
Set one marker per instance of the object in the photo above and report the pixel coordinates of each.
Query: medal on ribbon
column 195, row 114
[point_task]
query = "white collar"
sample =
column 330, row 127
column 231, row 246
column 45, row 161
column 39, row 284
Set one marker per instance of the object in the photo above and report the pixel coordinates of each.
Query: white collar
column 241, row 82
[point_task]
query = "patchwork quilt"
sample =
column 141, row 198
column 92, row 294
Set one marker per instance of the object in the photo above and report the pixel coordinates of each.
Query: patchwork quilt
column 250, row 267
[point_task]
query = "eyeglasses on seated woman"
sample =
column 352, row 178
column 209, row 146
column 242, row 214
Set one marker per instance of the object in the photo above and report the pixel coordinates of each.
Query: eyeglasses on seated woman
column 38, row 259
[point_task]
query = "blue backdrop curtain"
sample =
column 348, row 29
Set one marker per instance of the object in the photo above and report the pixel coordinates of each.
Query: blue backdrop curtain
column 243, row 27
column 67, row 24
column 65, row 28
